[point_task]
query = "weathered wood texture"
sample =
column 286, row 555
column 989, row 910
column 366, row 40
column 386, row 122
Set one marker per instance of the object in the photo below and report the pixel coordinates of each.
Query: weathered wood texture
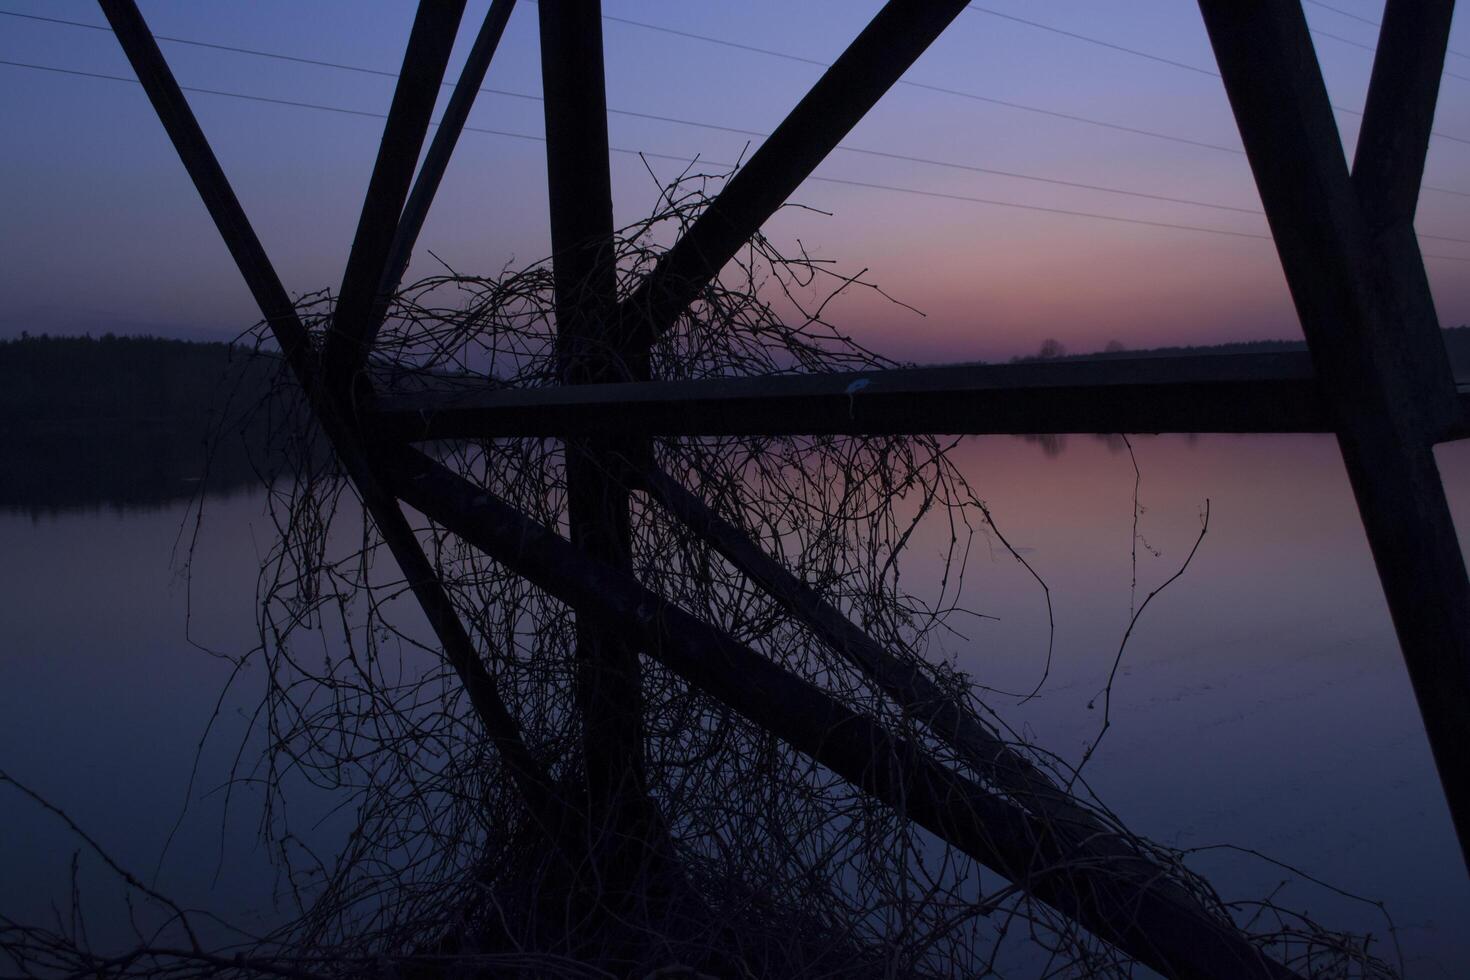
column 1368, row 323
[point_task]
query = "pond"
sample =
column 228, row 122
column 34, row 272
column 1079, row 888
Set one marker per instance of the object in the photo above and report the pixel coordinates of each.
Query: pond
column 1260, row 701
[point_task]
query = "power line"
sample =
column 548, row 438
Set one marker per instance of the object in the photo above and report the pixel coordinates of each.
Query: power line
column 1338, row 10
column 1170, row 61
column 924, row 86
column 642, row 153
column 975, row 7
column 1374, row 49
column 1369, row 21
column 993, row 101
column 909, row 83
column 1018, row 175
column 1359, row 45
column 196, row 43
column 927, row 161
column 972, row 96
column 684, row 159
column 201, row 91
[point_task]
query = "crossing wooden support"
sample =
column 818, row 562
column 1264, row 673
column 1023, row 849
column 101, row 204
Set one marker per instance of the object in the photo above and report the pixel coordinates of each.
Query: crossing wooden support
column 532, row 779
column 1364, row 307
column 1121, row 901
column 1375, row 374
column 980, row 746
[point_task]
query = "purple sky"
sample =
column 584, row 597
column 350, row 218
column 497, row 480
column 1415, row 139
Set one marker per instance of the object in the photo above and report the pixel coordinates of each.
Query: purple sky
column 102, row 230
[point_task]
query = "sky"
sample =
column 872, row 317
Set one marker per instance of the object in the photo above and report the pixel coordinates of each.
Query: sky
column 101, row 230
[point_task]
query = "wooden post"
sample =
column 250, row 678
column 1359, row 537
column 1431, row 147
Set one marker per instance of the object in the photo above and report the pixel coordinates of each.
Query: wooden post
column 622, row 819
column 1368, row 321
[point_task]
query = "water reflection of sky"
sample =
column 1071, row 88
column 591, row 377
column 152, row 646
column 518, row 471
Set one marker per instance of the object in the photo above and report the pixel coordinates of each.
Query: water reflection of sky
column 1261, row 700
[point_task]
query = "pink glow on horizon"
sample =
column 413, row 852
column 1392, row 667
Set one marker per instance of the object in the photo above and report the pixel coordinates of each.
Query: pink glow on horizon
column 95, row 178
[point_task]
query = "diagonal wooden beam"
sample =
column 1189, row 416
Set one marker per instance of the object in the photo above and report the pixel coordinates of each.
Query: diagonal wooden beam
column 441, row 148
column 224, row 208
column 921, row 699
column 1403, row 90
column 869, row 67
column 1369, row 355
column 360, row 301
column 1119, row 902
column 1274, row 392
column 1388, row 168
column 209, row 180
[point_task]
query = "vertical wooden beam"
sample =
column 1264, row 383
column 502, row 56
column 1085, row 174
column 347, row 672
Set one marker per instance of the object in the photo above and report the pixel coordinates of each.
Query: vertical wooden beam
column 1369, row 357
column 275, row 304
column 875, row 60
column 360, row 301
column 609, row 688
column 441, row 148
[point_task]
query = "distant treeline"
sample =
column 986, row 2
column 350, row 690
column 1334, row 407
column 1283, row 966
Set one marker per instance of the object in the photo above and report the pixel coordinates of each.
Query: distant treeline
column 137, row 378
column 143, row 421
column 1456, row 339
column 131, row 421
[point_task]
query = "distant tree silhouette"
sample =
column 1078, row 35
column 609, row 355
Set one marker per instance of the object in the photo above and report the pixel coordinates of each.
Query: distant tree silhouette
column 1051, row 348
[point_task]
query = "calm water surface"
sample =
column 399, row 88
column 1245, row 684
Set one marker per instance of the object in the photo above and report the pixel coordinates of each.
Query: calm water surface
column 1260, row 702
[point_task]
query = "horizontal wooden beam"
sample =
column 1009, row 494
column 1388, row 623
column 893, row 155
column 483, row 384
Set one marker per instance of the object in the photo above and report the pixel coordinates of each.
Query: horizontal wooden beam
column 1115, row 900
column 1213, row 393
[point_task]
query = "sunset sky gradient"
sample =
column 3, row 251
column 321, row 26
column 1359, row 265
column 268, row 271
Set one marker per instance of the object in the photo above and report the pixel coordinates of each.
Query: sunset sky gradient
column 102, row 230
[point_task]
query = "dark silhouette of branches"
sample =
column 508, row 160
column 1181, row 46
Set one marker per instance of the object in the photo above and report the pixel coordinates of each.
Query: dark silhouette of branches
column 773, row 865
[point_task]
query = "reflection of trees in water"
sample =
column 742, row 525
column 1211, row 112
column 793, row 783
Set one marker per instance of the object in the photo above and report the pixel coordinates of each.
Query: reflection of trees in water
column 128, row 422
column 1051, row 443
column 122, row 464
column 1054, row 444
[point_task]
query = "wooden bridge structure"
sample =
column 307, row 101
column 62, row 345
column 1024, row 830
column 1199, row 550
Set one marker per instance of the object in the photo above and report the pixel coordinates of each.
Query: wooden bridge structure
column 1375, row 374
